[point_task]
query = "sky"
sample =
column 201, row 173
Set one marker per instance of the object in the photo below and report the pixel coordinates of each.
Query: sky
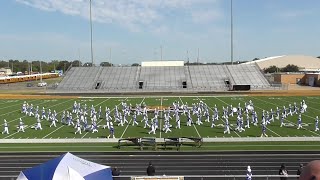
column 131, row 31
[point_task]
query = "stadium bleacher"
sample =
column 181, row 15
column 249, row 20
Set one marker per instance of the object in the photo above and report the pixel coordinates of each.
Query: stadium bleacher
column 209, row 77
column 247, row 75
column 118, row 78
column 162, row 77
column 197, row 78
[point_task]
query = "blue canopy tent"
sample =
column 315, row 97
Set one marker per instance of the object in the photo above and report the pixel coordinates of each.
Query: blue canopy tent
column 67, row 166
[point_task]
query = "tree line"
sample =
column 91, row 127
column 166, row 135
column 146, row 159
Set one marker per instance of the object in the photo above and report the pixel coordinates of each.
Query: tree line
column 288, row 68
column 23, row 66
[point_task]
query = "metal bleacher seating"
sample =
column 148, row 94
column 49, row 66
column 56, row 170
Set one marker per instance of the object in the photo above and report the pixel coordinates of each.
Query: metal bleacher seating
column 162, row 78
column 244, row 74
column 79, row 78
column 65, row 84
column 208, row 77
column 118, row 78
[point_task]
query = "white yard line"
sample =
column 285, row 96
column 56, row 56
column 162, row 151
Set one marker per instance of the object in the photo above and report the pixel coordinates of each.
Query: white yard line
column 36, row 123
column 38, row 104
column 26, row 127
column 222, row 118
column 16, row 104
column 4, row 101
column 192, row 124
column 288, row 120
column 161, row 115
column 52, row 132
column 303, row 114
column 266, row 126
column 102, row 118
column 308, row 101
column 155, row 96
column 130, row 122
column 19, row 109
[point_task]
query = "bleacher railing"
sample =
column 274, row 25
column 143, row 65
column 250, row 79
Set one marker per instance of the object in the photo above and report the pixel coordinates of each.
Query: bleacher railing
column 190, row 177
column 206, row 177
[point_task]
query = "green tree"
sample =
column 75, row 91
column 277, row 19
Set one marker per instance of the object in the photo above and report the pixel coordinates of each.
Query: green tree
column 105, row 64
column 135, row 64
column 87, row 64
column 271, row 69
column 3, row 64
column 193, row 63
column 76, row 63
column 63, row 65
column 290, row 68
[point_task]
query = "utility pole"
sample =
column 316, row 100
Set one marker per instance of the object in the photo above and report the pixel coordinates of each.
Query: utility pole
column 110, row 56
column 30, row 67
column 79, row 57
column 198, row 56
column 231, row 24
column 40, row 72
column 188, row 56
column 91, row 33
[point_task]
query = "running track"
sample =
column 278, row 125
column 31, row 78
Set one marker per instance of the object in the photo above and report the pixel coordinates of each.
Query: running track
column 171, row 163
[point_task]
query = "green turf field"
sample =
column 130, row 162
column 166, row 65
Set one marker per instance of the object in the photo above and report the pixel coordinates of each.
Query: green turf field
column 10, row 110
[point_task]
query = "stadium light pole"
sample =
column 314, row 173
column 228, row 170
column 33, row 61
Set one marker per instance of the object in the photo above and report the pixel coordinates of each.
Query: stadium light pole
column 40, row 72
column 188, row 56
column 91, row 33
column 79, row 57
column 198, row 56
column 110, row 56
column 231, row 24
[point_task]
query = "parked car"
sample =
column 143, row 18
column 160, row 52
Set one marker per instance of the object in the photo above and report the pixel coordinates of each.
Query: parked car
column 42, row 84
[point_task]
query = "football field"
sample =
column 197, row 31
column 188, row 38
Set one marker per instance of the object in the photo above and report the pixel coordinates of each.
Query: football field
column 11, row 111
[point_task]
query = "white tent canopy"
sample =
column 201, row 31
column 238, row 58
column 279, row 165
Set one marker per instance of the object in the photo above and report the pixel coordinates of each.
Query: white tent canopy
column 69, row 167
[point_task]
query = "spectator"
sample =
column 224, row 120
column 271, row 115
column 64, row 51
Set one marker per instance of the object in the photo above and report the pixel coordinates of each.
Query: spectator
column 299, row 170
column 115, row 171
column 249, row 173
column 311, row 171
column 151, row 170
column 283, row 172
